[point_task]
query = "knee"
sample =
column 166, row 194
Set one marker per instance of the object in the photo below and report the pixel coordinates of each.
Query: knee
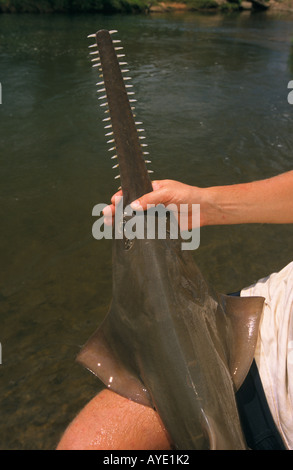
column 111, row 422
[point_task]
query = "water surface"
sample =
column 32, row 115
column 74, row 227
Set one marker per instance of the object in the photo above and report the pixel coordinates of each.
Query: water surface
column 212, row 93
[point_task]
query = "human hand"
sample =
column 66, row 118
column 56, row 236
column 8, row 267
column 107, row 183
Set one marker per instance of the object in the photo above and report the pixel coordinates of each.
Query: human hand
column 166, row 192
column 264, row 201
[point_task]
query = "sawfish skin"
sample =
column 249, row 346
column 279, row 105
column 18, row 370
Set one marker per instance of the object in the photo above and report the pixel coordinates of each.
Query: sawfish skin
column 168, row 341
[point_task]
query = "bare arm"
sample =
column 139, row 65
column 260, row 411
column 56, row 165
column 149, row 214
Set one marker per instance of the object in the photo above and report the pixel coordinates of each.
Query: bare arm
column 265, row 201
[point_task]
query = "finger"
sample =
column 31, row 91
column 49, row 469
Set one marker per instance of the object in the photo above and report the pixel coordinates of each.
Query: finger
column 109, row 211
column 154, row 197
column 109, row 221
column 156, row 185
column 114, row 198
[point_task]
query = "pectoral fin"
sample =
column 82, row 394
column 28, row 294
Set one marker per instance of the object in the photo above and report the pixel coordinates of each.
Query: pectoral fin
column 244, row 314
column 103, row 360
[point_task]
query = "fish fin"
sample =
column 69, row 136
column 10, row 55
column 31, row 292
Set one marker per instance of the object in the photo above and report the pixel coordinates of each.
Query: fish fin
column 215, row 434
column 209, row 431
column 105, row 362
column 244, row 314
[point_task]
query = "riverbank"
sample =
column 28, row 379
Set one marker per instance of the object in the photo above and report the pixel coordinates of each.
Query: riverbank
column 222, row 5
column 140, row 6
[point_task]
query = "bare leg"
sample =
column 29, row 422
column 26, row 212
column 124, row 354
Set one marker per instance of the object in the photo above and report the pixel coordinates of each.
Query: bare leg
column 111, row 422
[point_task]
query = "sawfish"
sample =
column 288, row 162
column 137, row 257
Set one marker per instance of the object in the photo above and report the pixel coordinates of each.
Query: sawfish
column 169, row 340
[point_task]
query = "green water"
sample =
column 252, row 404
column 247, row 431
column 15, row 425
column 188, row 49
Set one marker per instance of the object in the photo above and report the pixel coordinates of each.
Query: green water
column 212, row 93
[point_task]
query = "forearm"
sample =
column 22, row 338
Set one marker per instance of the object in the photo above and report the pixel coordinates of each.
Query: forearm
column 265, row 201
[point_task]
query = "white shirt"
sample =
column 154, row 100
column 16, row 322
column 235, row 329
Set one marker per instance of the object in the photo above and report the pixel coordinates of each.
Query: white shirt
column 274, row 350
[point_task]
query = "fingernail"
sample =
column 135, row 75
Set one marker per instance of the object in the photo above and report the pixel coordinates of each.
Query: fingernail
column 108, row 221
column 117, row 200
column 136, row 205
column 107, row 211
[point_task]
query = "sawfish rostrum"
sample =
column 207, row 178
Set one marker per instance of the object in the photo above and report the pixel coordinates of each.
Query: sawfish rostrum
column 168, row 341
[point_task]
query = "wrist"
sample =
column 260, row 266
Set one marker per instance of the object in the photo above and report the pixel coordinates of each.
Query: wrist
column 218, row 205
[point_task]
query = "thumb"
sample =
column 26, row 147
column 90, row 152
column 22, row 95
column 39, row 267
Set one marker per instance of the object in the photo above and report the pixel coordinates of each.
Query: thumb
column 154, row 197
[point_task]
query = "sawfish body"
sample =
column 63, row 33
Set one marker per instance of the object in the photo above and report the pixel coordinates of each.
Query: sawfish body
column 168, row 341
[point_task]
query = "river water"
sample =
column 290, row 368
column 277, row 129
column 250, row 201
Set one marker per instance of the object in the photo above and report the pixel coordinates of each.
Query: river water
column 212, row 93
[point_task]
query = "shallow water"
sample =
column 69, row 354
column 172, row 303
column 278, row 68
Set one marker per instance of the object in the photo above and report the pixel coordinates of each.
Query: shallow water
column 212, row 93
